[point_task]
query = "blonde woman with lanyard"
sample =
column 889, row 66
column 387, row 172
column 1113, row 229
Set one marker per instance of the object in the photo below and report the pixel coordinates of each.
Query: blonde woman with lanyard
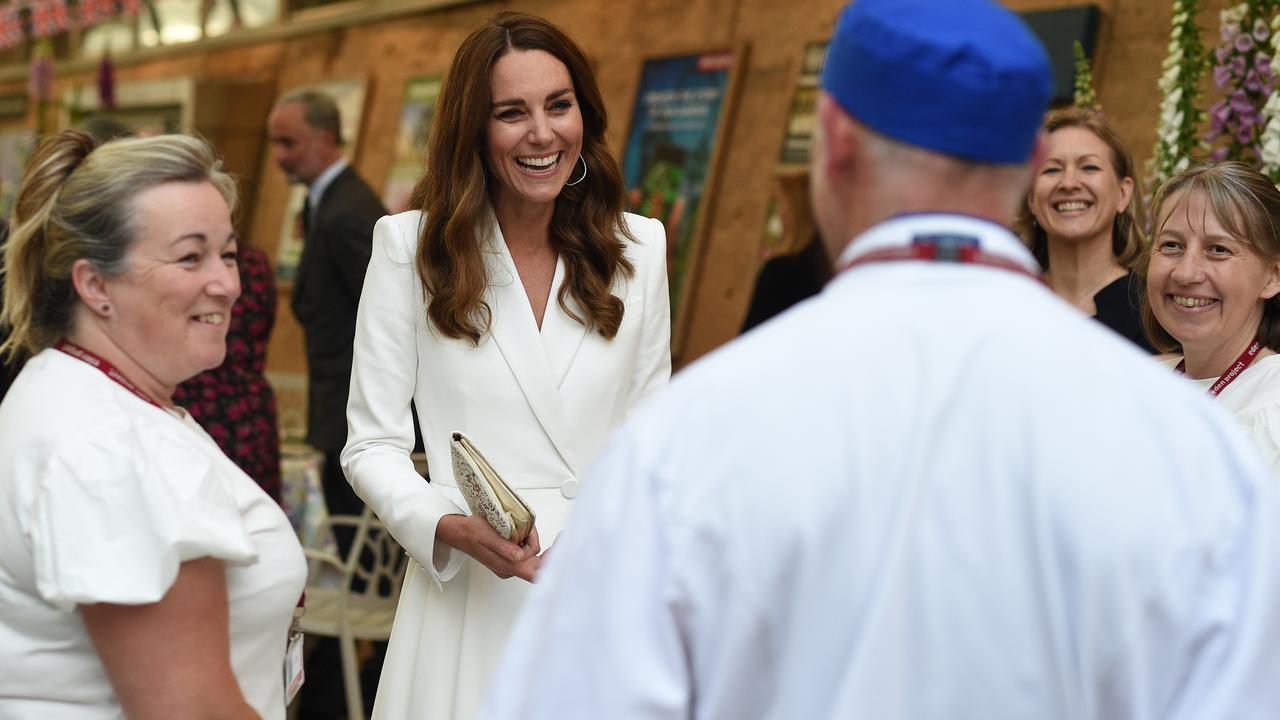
column 1212, row 283
column 143, row 574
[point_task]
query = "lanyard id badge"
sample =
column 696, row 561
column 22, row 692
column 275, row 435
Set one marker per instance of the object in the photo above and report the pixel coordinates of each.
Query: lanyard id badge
column 294, row 675
column 1240, row 365
column 89, row 358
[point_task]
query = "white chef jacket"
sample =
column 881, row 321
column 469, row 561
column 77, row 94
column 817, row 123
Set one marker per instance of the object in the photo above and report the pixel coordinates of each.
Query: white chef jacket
column 933, row 491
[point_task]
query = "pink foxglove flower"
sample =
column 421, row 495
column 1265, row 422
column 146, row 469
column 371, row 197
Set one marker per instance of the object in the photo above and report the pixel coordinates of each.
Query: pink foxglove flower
column 1221, row 76
column 1260, row 30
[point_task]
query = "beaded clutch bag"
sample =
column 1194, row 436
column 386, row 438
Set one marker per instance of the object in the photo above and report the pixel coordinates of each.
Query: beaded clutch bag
column 486, row 493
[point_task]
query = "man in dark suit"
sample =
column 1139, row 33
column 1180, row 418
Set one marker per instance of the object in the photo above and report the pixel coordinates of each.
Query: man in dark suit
column 337, row 220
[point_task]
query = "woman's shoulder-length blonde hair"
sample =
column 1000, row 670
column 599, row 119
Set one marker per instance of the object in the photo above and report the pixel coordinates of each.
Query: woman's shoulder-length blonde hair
column 1247, row 204
column 76, row 201
column 587, row 227
column 1126, row 231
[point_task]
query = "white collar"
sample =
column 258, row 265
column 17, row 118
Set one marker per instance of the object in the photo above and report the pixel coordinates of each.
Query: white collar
column 323, row 181
column 898, row 231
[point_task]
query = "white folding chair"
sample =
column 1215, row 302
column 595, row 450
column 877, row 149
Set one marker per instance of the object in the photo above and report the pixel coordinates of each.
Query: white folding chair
column 375, row 566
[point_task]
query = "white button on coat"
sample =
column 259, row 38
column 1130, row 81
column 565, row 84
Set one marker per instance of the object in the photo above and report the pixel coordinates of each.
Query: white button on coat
column 570, row 487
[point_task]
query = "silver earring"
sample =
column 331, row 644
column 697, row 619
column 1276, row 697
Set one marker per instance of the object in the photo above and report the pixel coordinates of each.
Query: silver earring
column 584, row 173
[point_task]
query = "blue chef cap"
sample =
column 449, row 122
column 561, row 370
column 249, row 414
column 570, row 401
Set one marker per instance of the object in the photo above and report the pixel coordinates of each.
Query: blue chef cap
column 960, row 77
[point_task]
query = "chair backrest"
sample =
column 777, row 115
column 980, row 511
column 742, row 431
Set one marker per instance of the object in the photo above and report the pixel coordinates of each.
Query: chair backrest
column 375, row 564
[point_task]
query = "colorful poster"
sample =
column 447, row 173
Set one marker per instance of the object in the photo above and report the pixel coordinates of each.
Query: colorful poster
column 670, row 155
column 348, row 95
column 420, row 95
column 799, row 137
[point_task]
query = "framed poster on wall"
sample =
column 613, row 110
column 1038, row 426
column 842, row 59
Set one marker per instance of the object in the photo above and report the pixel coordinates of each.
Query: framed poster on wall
column 349, row 96
column 682, row 108
column 410, row 151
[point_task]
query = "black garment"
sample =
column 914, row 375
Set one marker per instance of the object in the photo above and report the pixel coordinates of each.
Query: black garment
column 1118, row 308
column 8, row 369
column 326, row 293
column 337, row 244
column 323, row 694
column 340, row 499
column 786, row 280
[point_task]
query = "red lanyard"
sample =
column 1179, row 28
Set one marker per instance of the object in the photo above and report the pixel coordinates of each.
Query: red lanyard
column 945, row 248
column 1245, row 360
column 107, row 368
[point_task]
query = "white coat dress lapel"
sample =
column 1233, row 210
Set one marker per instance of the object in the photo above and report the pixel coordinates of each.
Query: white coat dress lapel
column 561, row 334
column 515, row 331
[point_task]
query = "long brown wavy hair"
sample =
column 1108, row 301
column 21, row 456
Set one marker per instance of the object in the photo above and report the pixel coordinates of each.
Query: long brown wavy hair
column 1126, row 229
column 587, row 227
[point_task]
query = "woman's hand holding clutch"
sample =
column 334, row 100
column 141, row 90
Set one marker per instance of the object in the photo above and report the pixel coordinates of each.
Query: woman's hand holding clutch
column 474, row 536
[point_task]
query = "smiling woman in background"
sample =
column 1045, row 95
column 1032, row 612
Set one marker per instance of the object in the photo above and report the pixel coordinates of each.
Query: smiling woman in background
column 1212, row 278
column 1081, row 220
column 142, row 573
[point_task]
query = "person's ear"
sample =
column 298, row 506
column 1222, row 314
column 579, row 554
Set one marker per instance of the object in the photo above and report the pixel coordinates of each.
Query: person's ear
column 91, row 285
column 1126, row 193
column 1272, row 285
column 840, row 143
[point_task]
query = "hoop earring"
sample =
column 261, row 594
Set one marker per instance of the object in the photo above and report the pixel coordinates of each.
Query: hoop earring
column 584, row 173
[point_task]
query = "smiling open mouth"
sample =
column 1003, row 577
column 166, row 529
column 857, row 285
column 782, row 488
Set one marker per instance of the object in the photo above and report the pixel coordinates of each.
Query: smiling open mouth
column 210, row 318
column 1071, row 206
column 543, row 163
column 1191, row 302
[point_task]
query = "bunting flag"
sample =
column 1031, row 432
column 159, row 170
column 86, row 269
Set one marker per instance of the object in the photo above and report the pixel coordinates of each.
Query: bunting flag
column 92, row 12
column 49, row 17
column 11, row 33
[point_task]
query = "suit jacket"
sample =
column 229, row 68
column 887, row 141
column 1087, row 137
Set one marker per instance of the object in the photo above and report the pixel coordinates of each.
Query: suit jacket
column 326, row 294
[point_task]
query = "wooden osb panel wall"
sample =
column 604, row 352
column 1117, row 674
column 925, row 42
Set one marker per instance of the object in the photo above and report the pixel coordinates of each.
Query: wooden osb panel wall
column 617, row 36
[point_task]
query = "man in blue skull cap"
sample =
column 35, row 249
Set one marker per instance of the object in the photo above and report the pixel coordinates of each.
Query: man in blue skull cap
column 932, row 491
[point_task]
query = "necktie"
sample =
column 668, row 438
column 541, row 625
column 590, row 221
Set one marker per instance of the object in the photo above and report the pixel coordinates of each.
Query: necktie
column 306, row 217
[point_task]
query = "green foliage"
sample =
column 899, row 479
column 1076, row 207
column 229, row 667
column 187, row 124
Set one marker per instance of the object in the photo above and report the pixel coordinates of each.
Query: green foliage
column 1085, row 95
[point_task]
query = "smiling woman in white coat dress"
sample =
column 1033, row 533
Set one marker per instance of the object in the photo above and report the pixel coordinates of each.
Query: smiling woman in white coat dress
column 519, row 305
